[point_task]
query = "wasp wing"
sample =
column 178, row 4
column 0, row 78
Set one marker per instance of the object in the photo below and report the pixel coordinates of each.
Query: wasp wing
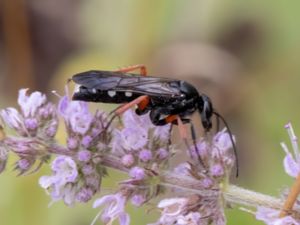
column 108, row 80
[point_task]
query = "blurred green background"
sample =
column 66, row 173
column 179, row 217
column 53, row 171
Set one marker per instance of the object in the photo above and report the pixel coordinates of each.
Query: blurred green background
column 243, row 54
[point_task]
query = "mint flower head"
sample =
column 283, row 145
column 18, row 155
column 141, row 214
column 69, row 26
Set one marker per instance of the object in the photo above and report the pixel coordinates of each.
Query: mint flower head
column 114, row 209
column 61, row 182
column 291, row 164
column 37, row 118
column 77, row 177
column 186, row 186
column 35, row 125
column 292, row 159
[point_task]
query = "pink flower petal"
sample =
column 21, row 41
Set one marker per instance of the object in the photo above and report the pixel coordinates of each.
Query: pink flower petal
column 290, row 165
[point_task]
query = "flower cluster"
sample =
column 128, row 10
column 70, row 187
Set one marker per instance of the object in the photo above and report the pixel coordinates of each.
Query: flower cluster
column 35, row 125
column 201, row 208
column 291, row 164
column 77, row 177
column 192, row 189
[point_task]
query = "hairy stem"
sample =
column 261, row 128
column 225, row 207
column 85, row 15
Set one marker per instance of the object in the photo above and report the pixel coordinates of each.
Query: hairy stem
column 231, row 193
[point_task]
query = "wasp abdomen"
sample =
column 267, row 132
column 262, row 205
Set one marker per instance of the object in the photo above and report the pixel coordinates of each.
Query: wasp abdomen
column 105, row 96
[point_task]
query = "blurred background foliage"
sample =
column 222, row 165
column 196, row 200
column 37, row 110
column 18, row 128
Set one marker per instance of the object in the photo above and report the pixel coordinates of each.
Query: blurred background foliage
column 244, row 54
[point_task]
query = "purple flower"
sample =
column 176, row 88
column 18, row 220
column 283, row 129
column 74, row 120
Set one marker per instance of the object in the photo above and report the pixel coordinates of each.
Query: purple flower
column 30, row 104
column 192, row 218
column 183, row 169
column 207, row 182
column 114, row 209
column 84, row 155
column 145, row 155
column 64, row 176
column 86, row 141
column 138, row 200
column 291, row 161
column 72, row 143
column 24, row 164
column 137, row 173
column 130, row 139
column 13, row 119
column 162, row 153
column 32, row 122
column 93, row 181
column 76, row 115
column 131, row 119
column 220, row 149
column 172, row 209
column 271, row 217
column 203, row 149
column 84, row 195
column 217, row 170
column 127, row 160
column 162, row 132
column 87, row 169
column 84, row 129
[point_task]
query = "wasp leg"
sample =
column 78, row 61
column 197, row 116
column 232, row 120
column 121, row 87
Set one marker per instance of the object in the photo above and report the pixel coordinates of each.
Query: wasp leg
column 155, row 116
column 170, row 137
column 141, row 67
column 142, row 100
column 118, row 111
column 174, row 119
column 194, row 138
column 218, row 124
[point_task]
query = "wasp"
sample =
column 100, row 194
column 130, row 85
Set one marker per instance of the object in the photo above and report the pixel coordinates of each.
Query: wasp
column 167, row 100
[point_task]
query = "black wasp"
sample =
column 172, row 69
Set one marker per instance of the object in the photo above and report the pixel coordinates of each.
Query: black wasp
column 167, row 100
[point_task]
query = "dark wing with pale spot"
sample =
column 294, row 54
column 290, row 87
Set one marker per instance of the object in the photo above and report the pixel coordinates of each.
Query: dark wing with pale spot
column 108, row 80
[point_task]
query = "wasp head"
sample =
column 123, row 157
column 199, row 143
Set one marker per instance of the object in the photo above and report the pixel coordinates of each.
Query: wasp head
column 206, row 110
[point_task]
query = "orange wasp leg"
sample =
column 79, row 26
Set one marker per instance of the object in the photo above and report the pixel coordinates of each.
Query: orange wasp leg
column 183, row 134
column 141, row 67
column 142, row 100
column 181, row 126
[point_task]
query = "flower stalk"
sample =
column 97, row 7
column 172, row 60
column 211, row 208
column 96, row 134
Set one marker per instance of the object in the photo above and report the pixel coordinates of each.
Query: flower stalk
column 232, row 194
column 291, row 198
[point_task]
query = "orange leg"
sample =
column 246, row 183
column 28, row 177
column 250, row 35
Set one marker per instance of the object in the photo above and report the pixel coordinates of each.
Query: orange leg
column 183, row 134
column 121, row 109
column 141, row 67
column 181, row 126
column 144, row 99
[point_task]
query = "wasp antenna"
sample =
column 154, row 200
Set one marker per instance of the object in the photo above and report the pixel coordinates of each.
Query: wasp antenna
column 231, row 139
column 217, row 124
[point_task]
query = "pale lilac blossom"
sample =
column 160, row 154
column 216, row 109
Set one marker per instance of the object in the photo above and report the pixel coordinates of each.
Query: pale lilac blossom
column 127, row 160
column 271, row 217
column 114, row 209
column 14, row 120
column 291, row 161
column 137, row 173
column 145, row 155
column 63, row 179
column 30, row 104
column 173, row 211
column 138, row 199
